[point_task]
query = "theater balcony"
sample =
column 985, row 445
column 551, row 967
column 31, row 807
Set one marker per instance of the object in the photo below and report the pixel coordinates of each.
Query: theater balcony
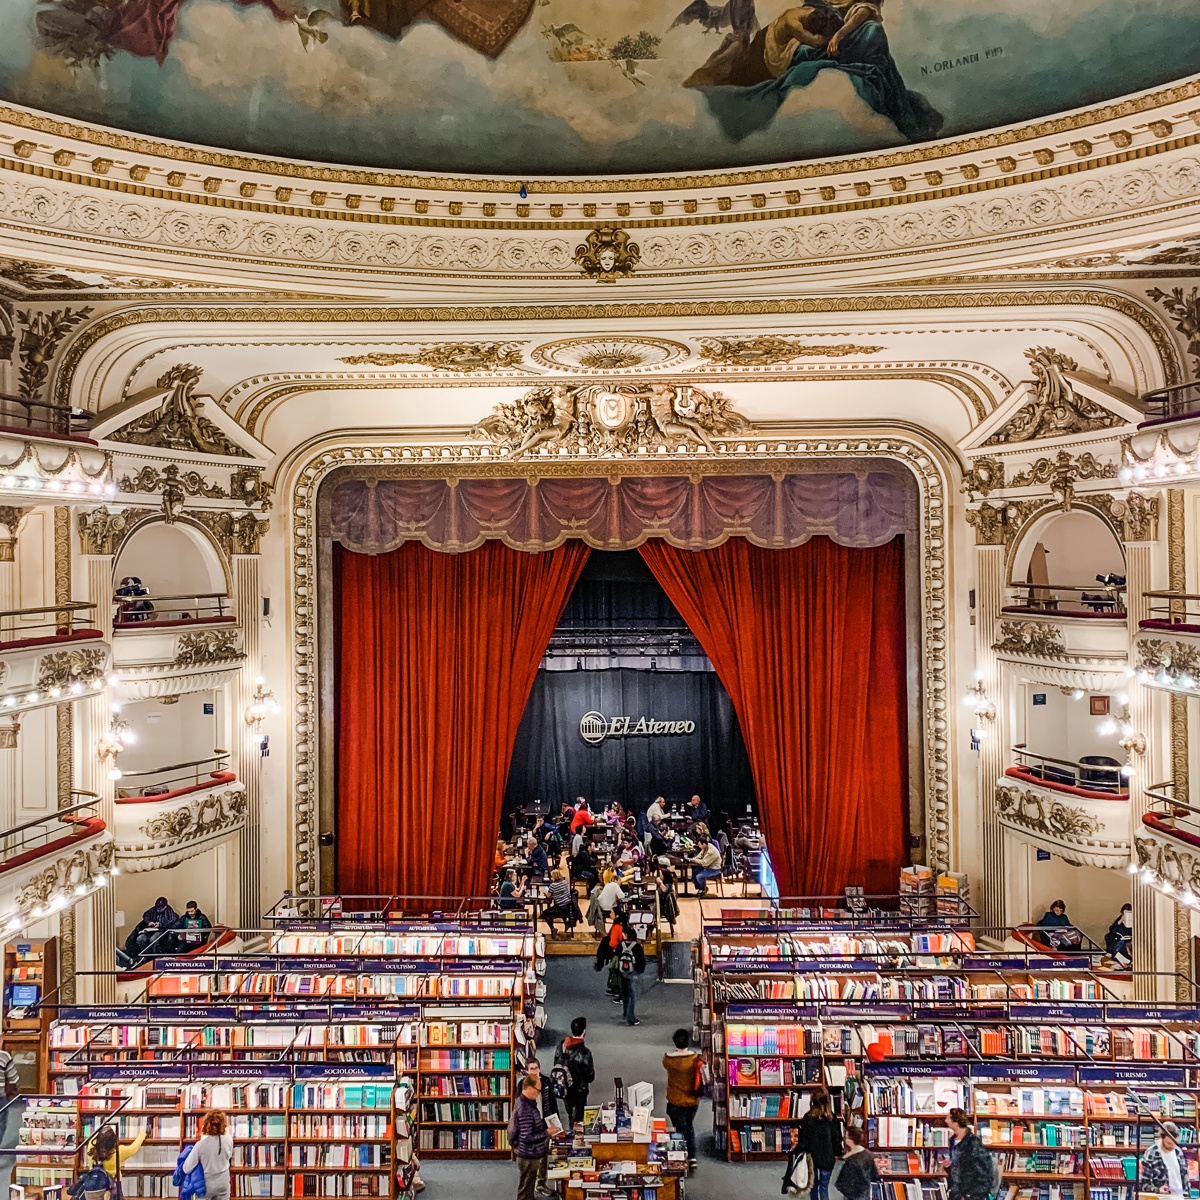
column 1167, row 845
column 46, row 454
column 1072, row 637
column 173, row 645
column 168, row 814
column 49, row 655
column 1167, row 644
column 1167, row 443
column 1078, row 810
column 50, row 862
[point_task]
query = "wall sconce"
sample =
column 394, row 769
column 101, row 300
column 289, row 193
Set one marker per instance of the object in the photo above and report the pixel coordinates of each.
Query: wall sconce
column 977, row 700
column 261, row 704
column 119, row 736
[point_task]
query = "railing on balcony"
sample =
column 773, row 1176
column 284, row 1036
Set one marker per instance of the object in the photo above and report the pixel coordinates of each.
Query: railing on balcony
column 132, row 611
column 1104, row 598
column 1171, row 816
column 1092, row 773
column 1171, row 403
column 36, row 626
column 53, row 831
column 155, row 783
column 1173, row 610
column 42, row 419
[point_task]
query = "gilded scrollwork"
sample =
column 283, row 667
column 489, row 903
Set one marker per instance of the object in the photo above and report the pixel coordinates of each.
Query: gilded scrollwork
column 204, row 646
column 1135, row 517
column 1044, row 814
column 607, row 254
column 179, row 423
column 248, row 486
column 102, row 530
column 610, row 419
column 1035, row 639
column 983, row 476
column 1156, row 654
column 236, row 533
column 151, row 479
column 446, row 356
column 1056, row 408
column 1062, row 472
column 61, row 668
column 64, row 875
column 1186, row 311
column 41, row 335
column 201, row 817
column 766, row 350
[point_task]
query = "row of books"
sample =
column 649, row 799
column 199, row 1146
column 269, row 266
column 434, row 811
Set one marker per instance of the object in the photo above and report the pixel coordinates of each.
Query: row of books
column 781, row 1106
column 407, row 945
column 773, row 1072
column 292, row 983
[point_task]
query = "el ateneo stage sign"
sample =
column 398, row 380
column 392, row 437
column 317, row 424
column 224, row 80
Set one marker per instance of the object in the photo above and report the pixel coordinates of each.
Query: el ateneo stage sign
column 595, row 727
column 675, row 733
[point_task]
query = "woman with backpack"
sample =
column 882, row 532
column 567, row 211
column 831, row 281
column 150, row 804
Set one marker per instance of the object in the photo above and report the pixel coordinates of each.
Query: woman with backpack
column 213, row 1154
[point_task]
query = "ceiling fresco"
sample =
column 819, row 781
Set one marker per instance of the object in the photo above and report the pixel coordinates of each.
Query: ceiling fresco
column 563, row 87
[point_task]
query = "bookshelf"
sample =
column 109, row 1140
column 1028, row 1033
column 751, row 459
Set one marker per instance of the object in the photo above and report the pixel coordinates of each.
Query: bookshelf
column 30, row 975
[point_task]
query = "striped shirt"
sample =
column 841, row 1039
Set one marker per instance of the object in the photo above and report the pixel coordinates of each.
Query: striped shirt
column 12, row 1080
column 560, row 892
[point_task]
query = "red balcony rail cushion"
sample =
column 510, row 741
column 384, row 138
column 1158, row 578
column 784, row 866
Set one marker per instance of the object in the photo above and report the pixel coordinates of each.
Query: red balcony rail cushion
column 1156, row 822
column 47, row 434
column 153, row 624
column 1027, row 776
column 51, row 639
column 85, row 827
column 1164, row 623
column 216, row 778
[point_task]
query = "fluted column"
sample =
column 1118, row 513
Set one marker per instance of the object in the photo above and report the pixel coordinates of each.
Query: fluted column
column 66, row 750
column 989, row 599
column 10, row 521
column 1138, row 567
column 247, row 755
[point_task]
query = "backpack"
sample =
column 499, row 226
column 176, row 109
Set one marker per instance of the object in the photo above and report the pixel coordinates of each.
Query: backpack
column 560, row 1077
column 626, row 965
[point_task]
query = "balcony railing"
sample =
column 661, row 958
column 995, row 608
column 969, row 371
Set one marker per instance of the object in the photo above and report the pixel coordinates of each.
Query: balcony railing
column 55, row 831
column 159, row 783
column 1171, row 403
column 141, row 612
column 1104, row 598
column 1173, row 611
column 1170, row 816
column 20, row 415
column 39, row 626
column 1092, row 773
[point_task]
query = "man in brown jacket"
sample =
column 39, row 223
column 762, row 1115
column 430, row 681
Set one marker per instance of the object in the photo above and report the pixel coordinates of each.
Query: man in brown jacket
column 682, row 1096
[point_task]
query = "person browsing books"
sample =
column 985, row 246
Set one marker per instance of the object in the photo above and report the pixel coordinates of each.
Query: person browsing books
column 213, row 1152
column 576, row 1058
column 547, row 1103
column 1164, row 1168
column 683, row 1097
column 971, row 1171
column 821, row 1139
column 858, row 1169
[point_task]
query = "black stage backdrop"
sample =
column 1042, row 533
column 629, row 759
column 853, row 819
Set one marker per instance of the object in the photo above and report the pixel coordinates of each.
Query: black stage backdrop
column 551, row 761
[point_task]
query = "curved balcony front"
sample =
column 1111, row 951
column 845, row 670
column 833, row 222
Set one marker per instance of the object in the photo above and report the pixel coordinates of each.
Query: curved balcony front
column 1078, row 810
column 173, row 645
column 1077, row 648
column 1167, row 846
column 52, row 861
column 166, row 815
column 46, row 455
column 49, row 655
column 1167, row 643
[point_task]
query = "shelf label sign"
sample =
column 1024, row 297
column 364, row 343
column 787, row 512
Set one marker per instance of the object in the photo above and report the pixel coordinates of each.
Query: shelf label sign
column 194, row 1013
column 1031, row 1072
column 1171, row 1076
column 241, row 1071
column 1058, row 1012
column 919, row 1070
column 1151, row 1013
column 769, row 1012
column 345, row 1070
column 150, row 1071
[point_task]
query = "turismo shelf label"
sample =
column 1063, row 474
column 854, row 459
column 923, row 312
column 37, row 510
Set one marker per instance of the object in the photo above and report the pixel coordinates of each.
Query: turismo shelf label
column 1156, row 1076
column 1046, row 1073
column 919, row 1070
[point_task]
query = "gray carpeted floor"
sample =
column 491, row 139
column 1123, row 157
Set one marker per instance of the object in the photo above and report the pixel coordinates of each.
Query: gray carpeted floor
column 574, row 989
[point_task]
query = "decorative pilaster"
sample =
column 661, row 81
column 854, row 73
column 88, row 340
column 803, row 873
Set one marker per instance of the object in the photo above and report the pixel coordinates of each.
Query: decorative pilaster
column 94, row 714
column 1180, row 755
column 10, row 520
column 247, row 754
column 66, row 751
column 1138, row 563
column 989, row 598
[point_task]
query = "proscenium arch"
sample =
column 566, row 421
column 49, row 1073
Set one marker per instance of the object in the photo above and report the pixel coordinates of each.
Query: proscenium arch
column 799, row 449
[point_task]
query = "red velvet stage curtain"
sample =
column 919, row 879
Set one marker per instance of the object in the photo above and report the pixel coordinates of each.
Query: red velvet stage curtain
column 810, row 643
column 437, row 654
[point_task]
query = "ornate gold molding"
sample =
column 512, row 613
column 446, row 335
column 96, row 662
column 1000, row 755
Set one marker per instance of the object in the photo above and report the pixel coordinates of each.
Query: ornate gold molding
column 765, row 349
column 207, row 646
column 1144, row 317
column 42, row 333
column 1045, row 815
column 607, row 254
column 65, row 667
column 103, row 532
column 235, row 533
column 1033, row 638
column 999, row 523
column 446, row 356
column 178, row 424
column 10, row 523
column 1062, row 472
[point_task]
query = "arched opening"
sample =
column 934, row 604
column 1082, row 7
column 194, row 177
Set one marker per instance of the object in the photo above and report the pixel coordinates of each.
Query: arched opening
column 1070, row 563
column 169, row 573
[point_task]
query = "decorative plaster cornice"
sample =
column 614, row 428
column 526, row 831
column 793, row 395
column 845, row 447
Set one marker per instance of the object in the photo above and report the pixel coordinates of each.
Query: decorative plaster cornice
column 1133, row 310
column 1050, row 127
column 312, row 464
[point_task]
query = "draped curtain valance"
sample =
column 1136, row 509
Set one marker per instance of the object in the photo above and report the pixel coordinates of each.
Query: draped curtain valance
column 860, row 509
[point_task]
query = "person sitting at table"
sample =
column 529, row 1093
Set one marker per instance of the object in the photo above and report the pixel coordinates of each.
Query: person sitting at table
column 583, row 816
column 707, row 864
column 631, row 852
column 512, row 893
column 583, row 866
column 697, row 811
column 656, row 814
column 501, row 859
column 612, row 895
column 536, row 859
column 563, row 905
